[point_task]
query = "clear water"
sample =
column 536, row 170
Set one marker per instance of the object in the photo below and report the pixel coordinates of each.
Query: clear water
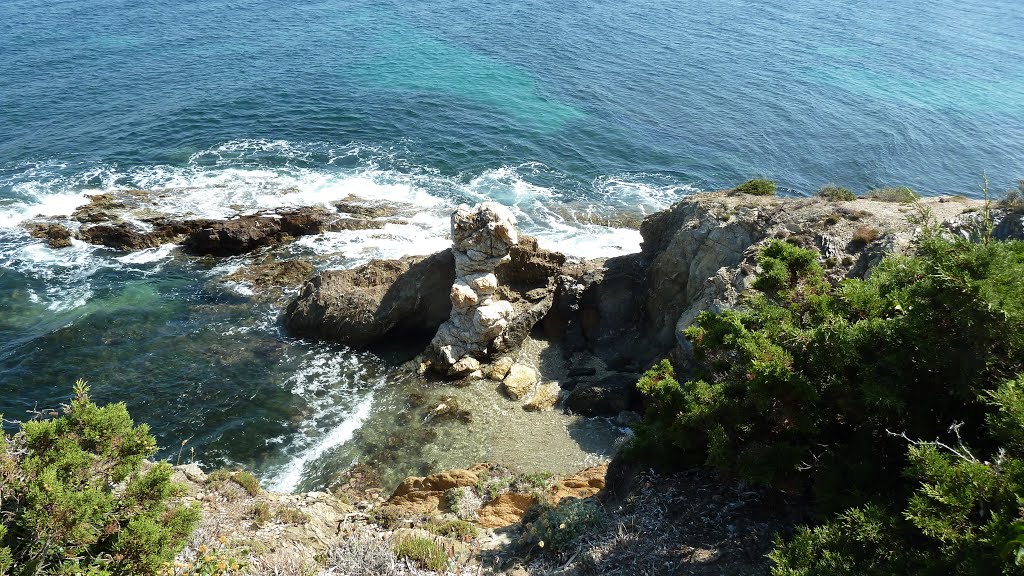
column 568, row 112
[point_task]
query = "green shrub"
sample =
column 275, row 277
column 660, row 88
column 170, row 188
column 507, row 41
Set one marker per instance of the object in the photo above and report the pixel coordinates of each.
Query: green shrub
column 292, row 515
column 757, row 187
column 424, row 552
column 556, row 529
column 77, row 498
column 834, row 193
column 458, row 529
column 827, row 391
column 893, row 194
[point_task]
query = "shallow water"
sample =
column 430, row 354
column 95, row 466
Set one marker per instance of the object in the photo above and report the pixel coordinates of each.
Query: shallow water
column 573, row 115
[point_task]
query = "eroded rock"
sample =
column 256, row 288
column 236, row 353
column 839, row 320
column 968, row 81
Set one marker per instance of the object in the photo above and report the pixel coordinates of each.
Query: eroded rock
column 481, row 240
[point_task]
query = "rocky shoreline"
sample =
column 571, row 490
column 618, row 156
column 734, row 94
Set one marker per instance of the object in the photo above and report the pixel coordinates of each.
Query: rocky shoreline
column 461, row 316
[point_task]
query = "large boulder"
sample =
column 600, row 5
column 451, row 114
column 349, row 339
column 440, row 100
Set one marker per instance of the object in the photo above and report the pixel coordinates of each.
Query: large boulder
column 380, row 301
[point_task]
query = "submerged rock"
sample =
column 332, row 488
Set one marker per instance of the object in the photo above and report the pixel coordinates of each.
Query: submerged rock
column 519, row 381
column 546, row 397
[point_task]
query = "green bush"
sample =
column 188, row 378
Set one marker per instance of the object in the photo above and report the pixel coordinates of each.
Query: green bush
column 76, row 498
column 835, row 193
column 757, row 187
column 556, row 529
column 893, row 194
column 827, row 391
column 458, row 529
column 424, row 552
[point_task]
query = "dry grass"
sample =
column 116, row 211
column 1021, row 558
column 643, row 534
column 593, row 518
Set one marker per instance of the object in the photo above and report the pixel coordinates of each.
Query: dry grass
column 864, row 235
column 685, row 524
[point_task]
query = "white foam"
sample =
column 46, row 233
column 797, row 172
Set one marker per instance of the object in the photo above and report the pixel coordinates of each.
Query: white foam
column 149, row 255
column 288, row 479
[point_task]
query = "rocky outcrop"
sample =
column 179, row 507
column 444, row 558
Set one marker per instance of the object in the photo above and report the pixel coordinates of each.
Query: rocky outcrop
column 56, row 235
column 403, row 299
column 247, row 233
column 481, row 240
column 700, row 254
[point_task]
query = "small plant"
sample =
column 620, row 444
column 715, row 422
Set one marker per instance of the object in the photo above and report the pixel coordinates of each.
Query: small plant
column 757, row 187
column 248, row 481
column 490, row 487
column 834, row 193
column 292, row 515
column 260, row 513
column 1013, row 200
column 557, row 529
column 463, row 502
column 864, row 235
column 832, row 220
column 458, row 529
column 893, row 194
column 424, row 552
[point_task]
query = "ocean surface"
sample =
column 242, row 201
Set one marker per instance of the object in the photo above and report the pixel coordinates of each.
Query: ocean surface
column 575, row 114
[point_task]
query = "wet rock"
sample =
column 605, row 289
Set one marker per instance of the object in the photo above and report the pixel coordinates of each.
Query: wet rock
column 101, row 208
column 247, row 233
column 380, row 301
column 605, row 397
column 121, row 236
column 56, row 235
column 545, row 397
column 519, row 381
column 466, row 366
column 365, row 210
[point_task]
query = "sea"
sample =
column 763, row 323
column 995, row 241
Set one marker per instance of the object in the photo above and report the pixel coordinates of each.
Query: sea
column 579, row 116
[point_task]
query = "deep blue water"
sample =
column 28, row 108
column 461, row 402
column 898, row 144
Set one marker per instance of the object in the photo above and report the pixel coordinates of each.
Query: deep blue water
column 554, row 107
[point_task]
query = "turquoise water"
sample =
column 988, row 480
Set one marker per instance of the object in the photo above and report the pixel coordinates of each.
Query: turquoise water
column 562, row 110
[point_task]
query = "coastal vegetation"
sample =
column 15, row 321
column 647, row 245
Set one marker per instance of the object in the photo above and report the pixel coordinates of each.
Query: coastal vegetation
column 835, row 193
column 892, row 406
column 900, row 194
column 757, row 187
column 78, row 495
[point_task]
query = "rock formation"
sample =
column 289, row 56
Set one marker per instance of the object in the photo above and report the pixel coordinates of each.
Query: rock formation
column 481, row 240
column 379, row 301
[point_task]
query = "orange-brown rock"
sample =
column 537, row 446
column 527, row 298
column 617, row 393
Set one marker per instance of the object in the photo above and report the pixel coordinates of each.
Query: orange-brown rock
column 583, row 484
column 421, row 495
column 505, row 510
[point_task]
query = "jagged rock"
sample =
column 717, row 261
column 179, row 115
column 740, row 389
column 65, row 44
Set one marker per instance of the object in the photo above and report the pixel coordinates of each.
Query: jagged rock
column 519, row 381
column 121, row 235
column 56, row 235
column 420, row 495
column 499, row 369
column 100, row 208
column 381, row 300
column 464, row 367
column 545, row 397
column 481, row 240
column 247, row 233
